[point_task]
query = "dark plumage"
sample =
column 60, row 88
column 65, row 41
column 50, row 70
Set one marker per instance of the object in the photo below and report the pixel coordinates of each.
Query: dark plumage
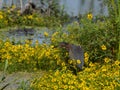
column 75, row 53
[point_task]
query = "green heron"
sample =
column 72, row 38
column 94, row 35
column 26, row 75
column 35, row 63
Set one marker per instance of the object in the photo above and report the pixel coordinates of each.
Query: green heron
column 75, row 53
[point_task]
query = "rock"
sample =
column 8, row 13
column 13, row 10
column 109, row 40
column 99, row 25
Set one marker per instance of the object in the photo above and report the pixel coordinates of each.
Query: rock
column 28, row 9
column 14, row 80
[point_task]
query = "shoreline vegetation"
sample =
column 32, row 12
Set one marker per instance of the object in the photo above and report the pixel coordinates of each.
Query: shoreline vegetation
column 99, row 36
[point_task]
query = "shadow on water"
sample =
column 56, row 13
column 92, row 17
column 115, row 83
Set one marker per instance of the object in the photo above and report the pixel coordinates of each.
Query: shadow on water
column 20, row 35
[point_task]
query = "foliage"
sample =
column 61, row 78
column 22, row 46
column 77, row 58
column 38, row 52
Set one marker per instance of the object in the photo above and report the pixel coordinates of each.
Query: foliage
column 91, row 36
column 10, row 18
column 114, row 11
column 93, row 32
column 59, row 75
column 105, row 77
column 23, row 86
column 26, row 57
column 54, row 7
column 98, row 36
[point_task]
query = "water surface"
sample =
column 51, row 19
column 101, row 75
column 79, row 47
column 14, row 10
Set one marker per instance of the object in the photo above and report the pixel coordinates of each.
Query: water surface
column 72, row 7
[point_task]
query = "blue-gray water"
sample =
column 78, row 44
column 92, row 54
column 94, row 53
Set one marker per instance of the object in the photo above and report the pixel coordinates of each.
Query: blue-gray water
column 19, row 36
column 76, row 7
column 72, row 7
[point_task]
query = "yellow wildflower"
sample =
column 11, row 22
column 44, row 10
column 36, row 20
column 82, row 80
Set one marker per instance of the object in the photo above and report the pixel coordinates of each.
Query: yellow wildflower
column 59, row 83
column 52, row 46
column 64, row 80
column 26, row 46
column 70, row 61
column 46, row 34
column 7, row 44
column 63, row 64
column 103, row 47
column 104, row 69
column 70, row 82
column 8, row 56
column 55, row 87
column 65, row 87
column 30, row 17
column 63, row 75
column 106, row 60
column 71, row 87
column 57, row 73
column 9, row 11
column 19, row 60
column 117, row 62
column 1, row 16
column 86, row 55
column 78, row 61
column 35, row 69
column 64, row 68
column 90, row 16
column 91, row 64
column 55, row 34
column 53, row 80
column 53, row 39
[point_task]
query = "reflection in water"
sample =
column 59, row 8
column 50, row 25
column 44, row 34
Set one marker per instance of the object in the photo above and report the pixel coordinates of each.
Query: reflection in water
column 18, row 36
column 72, row 7
column 76, row 7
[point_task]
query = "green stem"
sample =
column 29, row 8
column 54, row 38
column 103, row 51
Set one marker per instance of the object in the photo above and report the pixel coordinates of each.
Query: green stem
column 118, row 29
column 114, row 7
column 118, row 56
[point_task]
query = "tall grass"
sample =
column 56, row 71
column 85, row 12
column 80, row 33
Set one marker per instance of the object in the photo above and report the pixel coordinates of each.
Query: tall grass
column 115, row 12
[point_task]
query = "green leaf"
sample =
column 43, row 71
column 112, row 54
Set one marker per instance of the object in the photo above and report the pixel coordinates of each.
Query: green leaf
column 6, row 65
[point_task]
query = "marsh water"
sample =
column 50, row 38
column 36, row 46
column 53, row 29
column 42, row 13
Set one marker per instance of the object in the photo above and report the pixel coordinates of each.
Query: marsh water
column 20, row 35
column 72, row 7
